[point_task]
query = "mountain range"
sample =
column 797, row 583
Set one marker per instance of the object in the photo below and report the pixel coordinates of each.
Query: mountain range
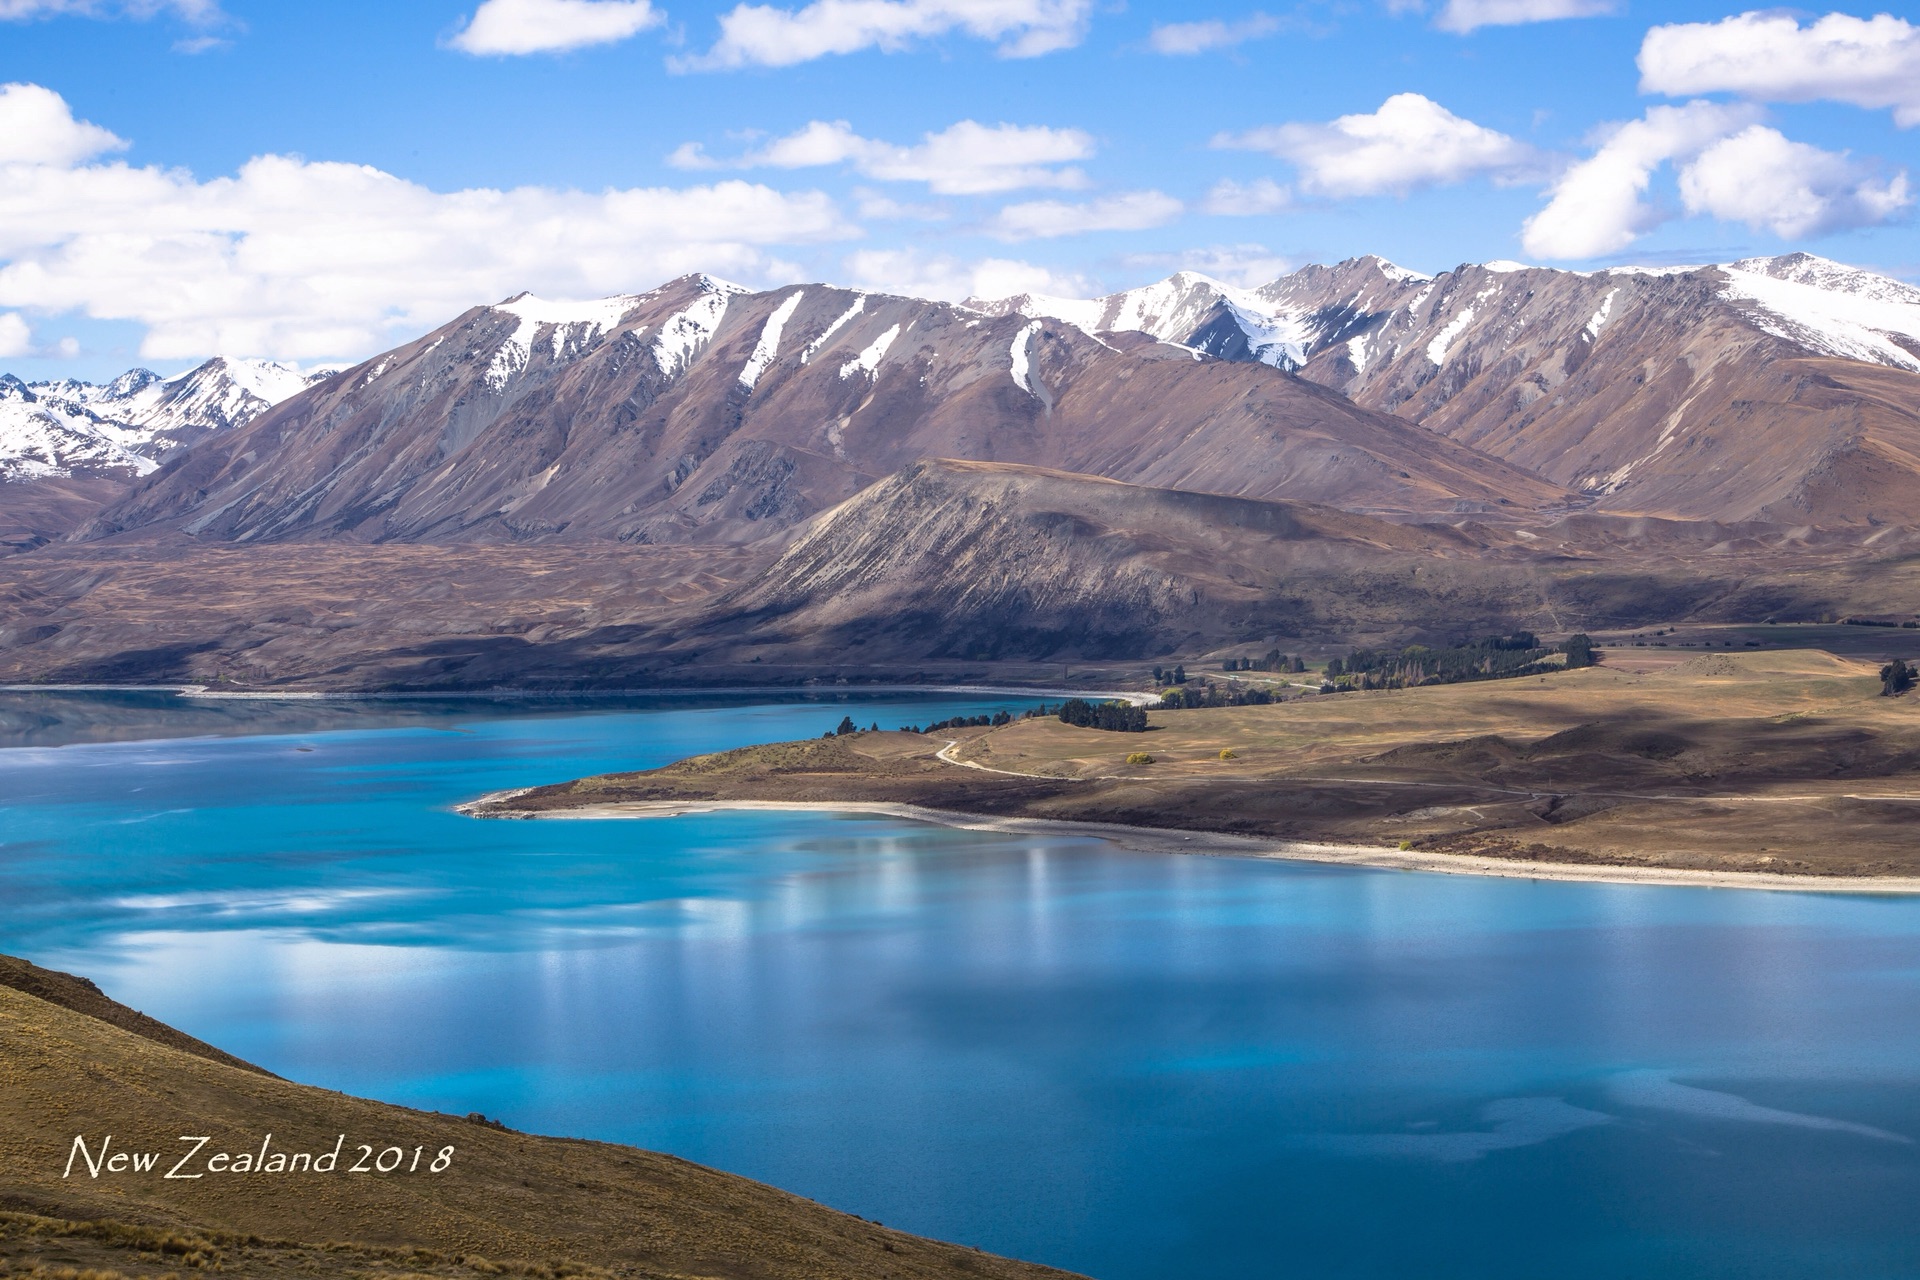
column 816, row 473
column 83, row 442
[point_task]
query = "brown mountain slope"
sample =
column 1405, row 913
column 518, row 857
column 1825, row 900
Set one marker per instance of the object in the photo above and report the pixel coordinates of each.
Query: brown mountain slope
column 1654, row 394
column 1776, row 388
column 701, row 412
column 947, row 571
column 506, row 1198
column 966, row 559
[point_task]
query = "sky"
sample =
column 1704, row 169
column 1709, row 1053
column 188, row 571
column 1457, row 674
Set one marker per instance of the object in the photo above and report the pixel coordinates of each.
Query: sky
column 320, row 181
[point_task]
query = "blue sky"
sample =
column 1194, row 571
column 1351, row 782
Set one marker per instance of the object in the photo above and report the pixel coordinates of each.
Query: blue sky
column 181, row 178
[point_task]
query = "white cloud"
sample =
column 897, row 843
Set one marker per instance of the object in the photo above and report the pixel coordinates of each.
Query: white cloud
column 1468, row 15
column 1410, row 142
column 305, row 260
column 199, row 11
column 1241, row 200
column 1597, row 206
column 1045, row 219
column 769, row 36
column 919, row 275
column 552, row 26
column 1868, row 62
column 37, row 127
column 1186, row 38
column 16, row 339
column 878, row 207
column 1246, row 265
column 1764, row 179
column 963, row 159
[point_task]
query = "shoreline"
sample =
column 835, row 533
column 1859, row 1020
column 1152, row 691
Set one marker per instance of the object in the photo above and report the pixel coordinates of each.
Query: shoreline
column 1220, row 845
column 200, row 691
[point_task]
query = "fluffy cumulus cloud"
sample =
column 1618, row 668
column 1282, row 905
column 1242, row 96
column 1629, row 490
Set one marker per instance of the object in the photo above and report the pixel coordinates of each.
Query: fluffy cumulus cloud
column 199, row 11
column 36, row 127
column 1125, row 211
column 1248, row 199
column 922, row 275
column 306, row 260
column 1187, row 38
column 1409, row 143
column 770, row 36
column 1764, row 179
column 963, row 159
column 1469, row 15
column 1599, row 205
column 506, row 27
column 16, row 339
column 1868, row 62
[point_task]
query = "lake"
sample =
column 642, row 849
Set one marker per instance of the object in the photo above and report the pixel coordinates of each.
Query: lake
column 1139, row 1066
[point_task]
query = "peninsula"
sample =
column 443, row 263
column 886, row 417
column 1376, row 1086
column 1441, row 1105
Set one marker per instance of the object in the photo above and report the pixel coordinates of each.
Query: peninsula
column 1772, row 769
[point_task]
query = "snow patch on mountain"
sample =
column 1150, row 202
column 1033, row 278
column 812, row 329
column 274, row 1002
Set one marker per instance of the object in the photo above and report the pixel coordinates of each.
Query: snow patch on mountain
column 570, row 326
column 1437, row 349
column 845, row 318
column 1395, row 272
column 868, row 361
column 686, row 334
column 1831, row 308
column 768, row 347
column 1598, row 321
column 1021, row 367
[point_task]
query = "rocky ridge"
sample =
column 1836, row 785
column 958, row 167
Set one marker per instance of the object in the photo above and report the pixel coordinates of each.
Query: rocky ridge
column 703, row 412
column 1783, row 389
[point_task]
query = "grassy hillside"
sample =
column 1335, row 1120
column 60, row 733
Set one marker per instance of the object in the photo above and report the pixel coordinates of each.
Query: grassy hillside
column 507, row 1203
column 1782, row 761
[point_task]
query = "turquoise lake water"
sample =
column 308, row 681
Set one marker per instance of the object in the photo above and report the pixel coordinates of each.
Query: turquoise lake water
column 1137, row 1066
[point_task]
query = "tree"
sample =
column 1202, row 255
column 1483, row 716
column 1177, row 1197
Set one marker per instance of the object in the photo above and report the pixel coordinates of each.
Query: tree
column 1180, row 674
column 1334, row 668
column 1896, row 678
column 1115, row 717
column 847, row 726
column 1579, row 651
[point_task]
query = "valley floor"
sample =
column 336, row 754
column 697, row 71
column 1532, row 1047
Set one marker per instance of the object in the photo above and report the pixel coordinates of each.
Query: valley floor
column 1764, row 769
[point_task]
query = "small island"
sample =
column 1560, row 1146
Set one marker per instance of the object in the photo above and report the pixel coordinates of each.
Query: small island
column 1773, row 769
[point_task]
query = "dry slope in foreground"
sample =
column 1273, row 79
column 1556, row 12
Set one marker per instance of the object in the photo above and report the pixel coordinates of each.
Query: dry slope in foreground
column 511, row 1203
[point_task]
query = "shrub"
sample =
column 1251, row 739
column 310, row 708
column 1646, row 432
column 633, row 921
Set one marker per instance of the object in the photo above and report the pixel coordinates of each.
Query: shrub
column 1228, row 753
column 1139, row 757
column 1896, row 678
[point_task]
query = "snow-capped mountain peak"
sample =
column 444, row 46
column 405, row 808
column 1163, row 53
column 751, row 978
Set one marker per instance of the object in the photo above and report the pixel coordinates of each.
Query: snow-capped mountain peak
column 1829, row 307
column 125, row 426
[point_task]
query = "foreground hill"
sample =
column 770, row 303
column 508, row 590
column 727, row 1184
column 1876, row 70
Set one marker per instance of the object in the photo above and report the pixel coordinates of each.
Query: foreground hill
column 73, row 1063
column 1783, row 389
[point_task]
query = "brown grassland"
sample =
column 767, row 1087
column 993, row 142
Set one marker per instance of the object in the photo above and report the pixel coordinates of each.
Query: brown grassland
column 1782, row 762
column 511, row 1204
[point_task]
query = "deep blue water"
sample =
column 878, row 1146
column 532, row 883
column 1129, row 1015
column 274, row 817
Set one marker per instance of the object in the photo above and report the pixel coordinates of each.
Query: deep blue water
column 1138, row 1066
